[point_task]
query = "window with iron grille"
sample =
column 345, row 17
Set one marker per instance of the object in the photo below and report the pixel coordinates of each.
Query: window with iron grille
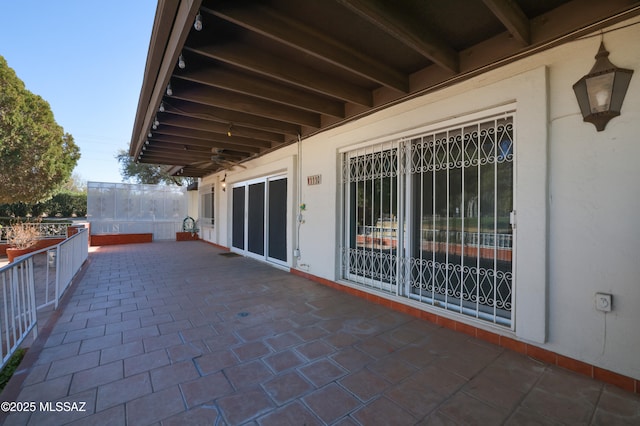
column 428, row 218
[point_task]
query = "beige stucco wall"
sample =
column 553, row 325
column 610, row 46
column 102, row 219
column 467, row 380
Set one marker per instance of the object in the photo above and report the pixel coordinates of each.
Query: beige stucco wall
column 577, row 197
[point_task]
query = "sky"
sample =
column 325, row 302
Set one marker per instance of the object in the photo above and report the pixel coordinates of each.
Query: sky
column 86, row 58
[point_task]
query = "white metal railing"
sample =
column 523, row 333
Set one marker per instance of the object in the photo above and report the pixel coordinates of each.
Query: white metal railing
column 18, row 316
column 26, row 289
column 71, row 254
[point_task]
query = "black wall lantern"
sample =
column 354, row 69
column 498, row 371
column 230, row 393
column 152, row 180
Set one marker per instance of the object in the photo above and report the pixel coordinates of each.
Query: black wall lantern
column 601, row 92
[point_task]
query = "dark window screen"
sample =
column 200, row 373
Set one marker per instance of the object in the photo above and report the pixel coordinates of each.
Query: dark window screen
column 256, row 218
column 238, row 217
column 278, row 219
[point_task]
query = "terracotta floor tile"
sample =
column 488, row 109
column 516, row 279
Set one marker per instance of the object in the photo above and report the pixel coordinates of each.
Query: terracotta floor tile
column 45, row 418
column 84, row 333
column 173, row 374
column 314, row 350
column 203, row 415
column 525, row 416
column 383, row 412
column 199, row 333
column 340, row 340
column 248, row 374
column 161, row 342
column 174, row 326
column 120, row 391
column 139, row 333
column 239, row 408
column 111, row 417
column 294, row 414
column 48, row 390
column 117, row 327
column 559, row 407
column 123, row 351
column 212, row 362
column 251, row 350
column 283, row 341
column 96, row 376
column 286, row 387
column 352, row 359
column 392, row 369
column 331, row 403
column 152, row 333
column 58, row 352
column 155, row 406
column 416, row 397
column 205, row 389
column 491, row 391
column 310, row 333
column 376, row 347
column 283, row 361
column 72, row 364
column 145, row 362
column 465, row 409
column 364, row 384
column 96, row 343
column 322, row 372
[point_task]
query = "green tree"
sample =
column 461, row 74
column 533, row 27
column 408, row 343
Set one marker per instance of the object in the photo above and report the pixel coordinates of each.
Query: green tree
column 36, row 155
column 151, row 174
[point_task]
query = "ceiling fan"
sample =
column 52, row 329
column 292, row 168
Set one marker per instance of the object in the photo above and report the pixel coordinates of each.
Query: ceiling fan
column 219, row 158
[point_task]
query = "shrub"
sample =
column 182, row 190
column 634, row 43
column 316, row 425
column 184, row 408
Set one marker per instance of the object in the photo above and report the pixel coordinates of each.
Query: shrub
column 22, row 235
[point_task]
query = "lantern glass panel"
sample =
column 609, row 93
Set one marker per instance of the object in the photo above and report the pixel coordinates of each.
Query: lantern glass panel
column 599, row 89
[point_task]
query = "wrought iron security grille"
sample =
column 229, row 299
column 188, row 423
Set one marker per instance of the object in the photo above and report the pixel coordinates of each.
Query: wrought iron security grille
column 371, row 184
column 428, row 218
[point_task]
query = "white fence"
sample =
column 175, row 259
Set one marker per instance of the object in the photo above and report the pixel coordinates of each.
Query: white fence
column 27, row 287
column 120, row 208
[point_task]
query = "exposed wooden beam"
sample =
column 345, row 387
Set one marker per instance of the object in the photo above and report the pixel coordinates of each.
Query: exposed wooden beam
column 512, row 17
column 174, row 146
column 173, row 157
column 209, row 136
column 219, row 98
column 222, row 128
column 388, row 17
column 285, row 30
column 189, row 156
column 261, row 62
column 260, row 88
column 181, row 141
column 222, row 115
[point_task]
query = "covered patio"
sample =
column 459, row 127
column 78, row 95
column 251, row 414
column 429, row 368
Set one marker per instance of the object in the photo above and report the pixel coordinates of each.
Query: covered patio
column 186, row 333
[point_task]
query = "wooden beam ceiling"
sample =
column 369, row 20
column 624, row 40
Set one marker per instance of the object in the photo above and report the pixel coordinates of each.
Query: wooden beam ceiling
column 271, row 71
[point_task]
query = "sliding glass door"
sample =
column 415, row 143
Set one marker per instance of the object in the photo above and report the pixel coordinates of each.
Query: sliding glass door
column 259, row 215
column 428, row 218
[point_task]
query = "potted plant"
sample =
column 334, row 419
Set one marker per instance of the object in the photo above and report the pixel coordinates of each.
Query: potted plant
column 21, row 239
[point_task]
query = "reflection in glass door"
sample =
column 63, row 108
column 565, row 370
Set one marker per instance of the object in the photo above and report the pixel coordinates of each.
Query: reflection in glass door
column 461, row 242
column 428, row 218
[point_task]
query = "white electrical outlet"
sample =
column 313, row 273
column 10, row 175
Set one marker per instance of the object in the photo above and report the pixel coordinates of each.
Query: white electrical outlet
column 603, row 302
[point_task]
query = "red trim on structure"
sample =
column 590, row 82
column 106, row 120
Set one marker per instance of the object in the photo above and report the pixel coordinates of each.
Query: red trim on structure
column 624, row 382
column 113, row 239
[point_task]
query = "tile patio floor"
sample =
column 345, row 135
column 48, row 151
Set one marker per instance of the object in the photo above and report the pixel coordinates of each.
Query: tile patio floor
column 172, row 333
